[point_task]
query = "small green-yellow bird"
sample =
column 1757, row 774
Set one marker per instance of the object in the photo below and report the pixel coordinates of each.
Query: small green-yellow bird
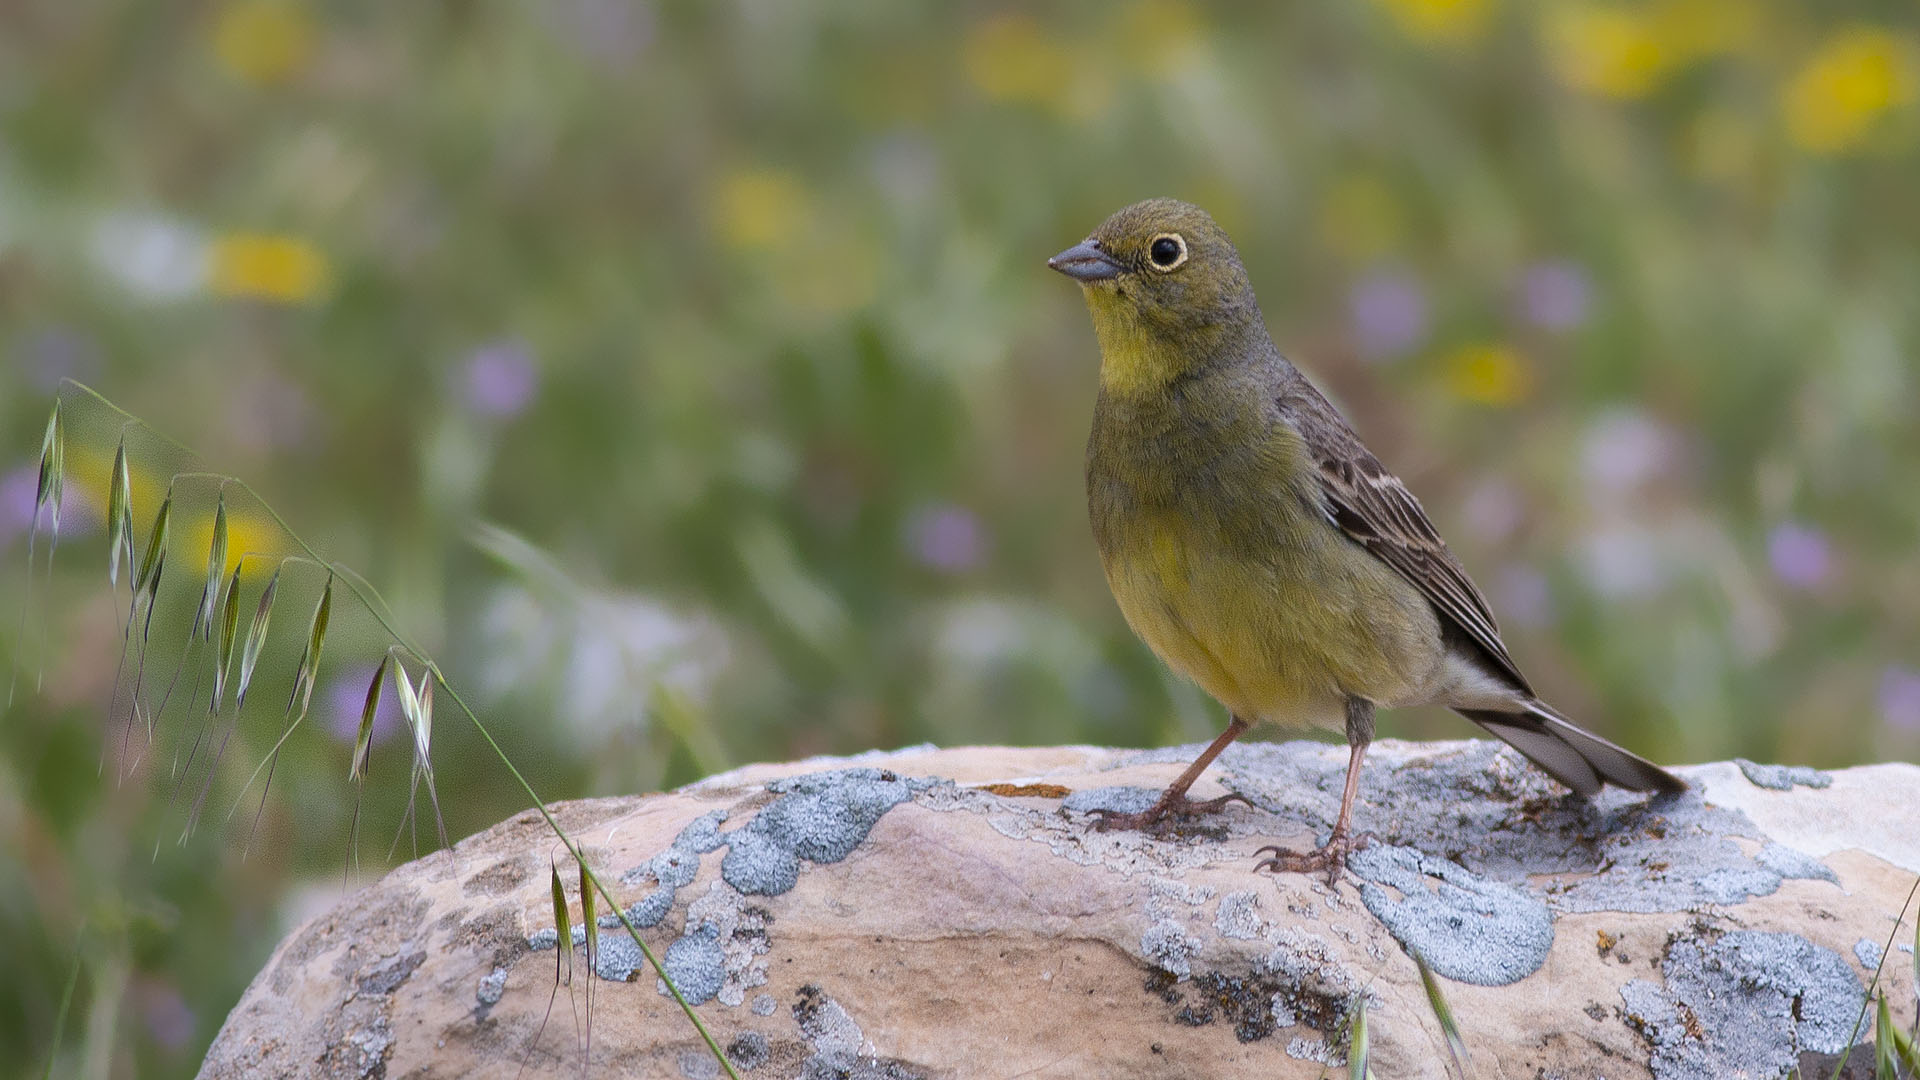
column 1260, row 549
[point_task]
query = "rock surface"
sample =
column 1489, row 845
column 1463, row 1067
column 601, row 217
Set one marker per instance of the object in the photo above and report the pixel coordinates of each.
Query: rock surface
column 952, row 913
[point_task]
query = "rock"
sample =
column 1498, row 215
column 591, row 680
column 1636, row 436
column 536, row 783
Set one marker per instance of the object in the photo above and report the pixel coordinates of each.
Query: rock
column 952, row 913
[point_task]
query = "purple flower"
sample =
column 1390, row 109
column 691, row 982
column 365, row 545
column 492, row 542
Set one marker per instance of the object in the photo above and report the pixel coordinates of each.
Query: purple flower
column 169, row 1019
column 501, row 380
column 945, row 537
column 1388, row 312
column 1800, row 555
column 1900, row 698
column 17, row 489
column 1624, row 448
column 1555, row 294
column 78, row 516
column 346, row 696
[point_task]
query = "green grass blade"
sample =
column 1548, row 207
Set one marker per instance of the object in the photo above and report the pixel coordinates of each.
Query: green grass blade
column 376, row 606
column 563, row 926
column 1904, row 1049
column 229, row 623
column 256, row 637
column 363, row 740
column 1357, row 1044
column 308, row 671
column 216, row 569
column 119, row 518
column 1884, row 1065
column 1456, row 1046
column 148, row 580
column 51, row 488
column 591, row 925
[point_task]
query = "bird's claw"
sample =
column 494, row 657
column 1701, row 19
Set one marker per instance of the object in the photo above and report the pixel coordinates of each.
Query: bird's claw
column 1330, row 857
column 1156, row 819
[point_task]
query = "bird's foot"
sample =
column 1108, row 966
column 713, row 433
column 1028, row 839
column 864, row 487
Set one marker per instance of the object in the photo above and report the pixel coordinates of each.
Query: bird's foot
column 1330, row 857
column 1164, row 815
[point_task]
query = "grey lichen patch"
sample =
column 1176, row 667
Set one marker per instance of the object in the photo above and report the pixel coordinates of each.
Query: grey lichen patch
column 1789, row 863
column 362, row 1052
column 541, row 940
column 618, row 959
column 1486, row 808
column 492, row 987
column 764, row 1005
column 825, row 1023
column 698, row 1065
column 1782, row 777
column 1869, row 953
column 1238, row 916
column 838, row 1066
column 749, row 1050
column 1467, row 928
column 696, row 964
column 1314, row 986
column 386, row 976
column 837, row 1042
column 1167, row 946
column 1118, row 800
column 1305, row 1048
column 1744, row 1004
column 648, row 910
column 670, row 870
column 741, row 929
column 820, row 817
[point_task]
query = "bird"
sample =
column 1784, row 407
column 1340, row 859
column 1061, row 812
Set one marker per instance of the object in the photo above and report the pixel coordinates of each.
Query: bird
column 1261, row 550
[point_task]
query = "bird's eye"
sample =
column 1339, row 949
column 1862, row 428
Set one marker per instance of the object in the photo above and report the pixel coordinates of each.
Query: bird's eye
column 1167, row 252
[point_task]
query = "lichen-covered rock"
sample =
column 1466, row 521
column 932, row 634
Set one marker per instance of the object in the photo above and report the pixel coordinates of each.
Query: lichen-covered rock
column 948, row 914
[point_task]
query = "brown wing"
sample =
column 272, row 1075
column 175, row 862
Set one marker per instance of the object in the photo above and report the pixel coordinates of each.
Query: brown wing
column 1373, row 507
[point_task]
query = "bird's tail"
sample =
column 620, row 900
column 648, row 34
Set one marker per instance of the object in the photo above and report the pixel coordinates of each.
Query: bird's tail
column 1571, row 754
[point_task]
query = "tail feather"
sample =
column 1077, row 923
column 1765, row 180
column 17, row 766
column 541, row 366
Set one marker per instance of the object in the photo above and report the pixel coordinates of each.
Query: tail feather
column 1571, row 754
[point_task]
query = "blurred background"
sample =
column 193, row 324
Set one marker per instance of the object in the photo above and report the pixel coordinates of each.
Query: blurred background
column 688, row 378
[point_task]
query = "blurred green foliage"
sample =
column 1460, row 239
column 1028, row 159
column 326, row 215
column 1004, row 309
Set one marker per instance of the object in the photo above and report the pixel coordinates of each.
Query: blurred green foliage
column 688, row 377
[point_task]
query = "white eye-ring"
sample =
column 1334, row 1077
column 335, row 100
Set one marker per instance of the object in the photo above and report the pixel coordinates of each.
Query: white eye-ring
column 1167, row 252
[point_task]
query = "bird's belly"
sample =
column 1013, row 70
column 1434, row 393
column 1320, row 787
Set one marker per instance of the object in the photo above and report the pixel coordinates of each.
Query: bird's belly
column 1284, row 637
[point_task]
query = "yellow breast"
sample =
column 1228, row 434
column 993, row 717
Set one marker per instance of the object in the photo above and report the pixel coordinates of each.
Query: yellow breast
column 1282, row 635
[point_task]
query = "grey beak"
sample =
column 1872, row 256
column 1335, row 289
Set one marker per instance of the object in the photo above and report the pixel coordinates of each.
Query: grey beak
column 1085, row 262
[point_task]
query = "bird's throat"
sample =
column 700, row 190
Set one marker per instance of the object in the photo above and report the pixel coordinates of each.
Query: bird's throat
column 1136, row 359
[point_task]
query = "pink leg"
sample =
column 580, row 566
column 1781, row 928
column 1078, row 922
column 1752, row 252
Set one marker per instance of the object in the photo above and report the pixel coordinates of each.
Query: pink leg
column 1173, row 803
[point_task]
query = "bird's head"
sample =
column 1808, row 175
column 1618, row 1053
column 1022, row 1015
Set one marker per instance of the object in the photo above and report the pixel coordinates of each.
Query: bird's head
column 1165, row 288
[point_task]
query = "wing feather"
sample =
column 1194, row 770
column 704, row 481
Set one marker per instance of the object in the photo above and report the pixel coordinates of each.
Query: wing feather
column 1373, row 507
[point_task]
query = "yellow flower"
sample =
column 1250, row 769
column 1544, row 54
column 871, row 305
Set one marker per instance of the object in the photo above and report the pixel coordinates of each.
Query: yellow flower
column 1012, row 58
column 1488, row 374
column 1696, row 28
column 1860, row 73
column 262, row 266
column 760, row 209
column 1615, row 52
column 1440, row 22
column 263, row 41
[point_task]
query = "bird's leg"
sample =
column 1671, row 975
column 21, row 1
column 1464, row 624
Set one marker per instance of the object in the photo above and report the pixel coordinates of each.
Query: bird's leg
column 1173, row 802
column 1343, row 841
